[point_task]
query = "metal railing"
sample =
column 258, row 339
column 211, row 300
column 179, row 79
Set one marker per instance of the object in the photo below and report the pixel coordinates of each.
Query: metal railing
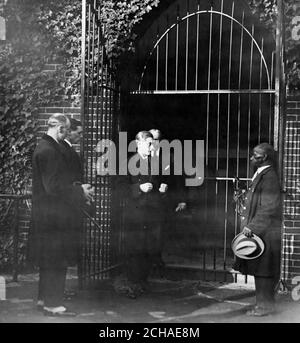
column 15, row 202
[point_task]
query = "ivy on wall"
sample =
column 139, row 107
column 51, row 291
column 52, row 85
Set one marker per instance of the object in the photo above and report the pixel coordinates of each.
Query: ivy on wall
column 266, row 10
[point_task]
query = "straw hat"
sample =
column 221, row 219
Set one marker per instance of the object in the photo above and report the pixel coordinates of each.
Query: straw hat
column 247, row 248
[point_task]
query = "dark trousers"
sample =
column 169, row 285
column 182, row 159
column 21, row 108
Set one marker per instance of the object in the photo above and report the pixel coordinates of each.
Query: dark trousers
column 142, row 249
column 51, row 285
column 265, row 291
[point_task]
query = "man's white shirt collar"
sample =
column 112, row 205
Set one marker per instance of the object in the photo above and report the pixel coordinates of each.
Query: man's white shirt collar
column 259, row 170
column 53, row 138
column 68, row 142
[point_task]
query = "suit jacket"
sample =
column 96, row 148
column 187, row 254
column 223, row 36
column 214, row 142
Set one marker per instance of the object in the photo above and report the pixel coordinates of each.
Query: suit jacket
column 262, row 214
column 141, row 207
column 74, row 162
column 54, row 200
column 177, row 192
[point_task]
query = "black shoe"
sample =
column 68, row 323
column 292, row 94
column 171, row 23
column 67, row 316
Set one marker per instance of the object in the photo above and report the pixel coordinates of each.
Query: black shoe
column 57, row 312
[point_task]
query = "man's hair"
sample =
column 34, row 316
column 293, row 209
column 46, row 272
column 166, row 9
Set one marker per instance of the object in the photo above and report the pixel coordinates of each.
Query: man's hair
column 74, row 124
column 143, row 135
column 57, row 119
column 269, row 151
column 152, row 131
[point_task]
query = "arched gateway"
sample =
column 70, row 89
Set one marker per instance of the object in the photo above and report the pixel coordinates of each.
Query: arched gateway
column 204, row 70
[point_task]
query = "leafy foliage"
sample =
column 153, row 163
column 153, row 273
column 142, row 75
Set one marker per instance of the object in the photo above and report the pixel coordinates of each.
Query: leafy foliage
column 266, row 10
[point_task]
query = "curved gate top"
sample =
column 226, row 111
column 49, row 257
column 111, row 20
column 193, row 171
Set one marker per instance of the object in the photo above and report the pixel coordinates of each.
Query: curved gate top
column 218, row 38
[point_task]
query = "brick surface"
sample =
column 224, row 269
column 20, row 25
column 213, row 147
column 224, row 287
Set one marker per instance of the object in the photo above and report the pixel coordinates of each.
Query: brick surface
column 291, row 208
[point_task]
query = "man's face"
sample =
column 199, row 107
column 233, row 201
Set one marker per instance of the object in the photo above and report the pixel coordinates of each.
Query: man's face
column 63, row 130
column 155, row 144
column 144, row 146
column 156, row 139
column 258, row 157
column 75, row 135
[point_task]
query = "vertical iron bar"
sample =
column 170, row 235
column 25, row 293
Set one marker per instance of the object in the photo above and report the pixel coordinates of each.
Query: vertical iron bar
column 157, row 62
column 208, row 114
column 228, row 138
column 249, row 98
column 83, row 57
column 219, row 84
column 280, row 96
column 98, row 110
column 278, row 72
column 239, row 98
column 218, row 111
column 93, row 228
column 260, row 95
column 187, row 48
column 197, row 46
column 208, row 87
column 271, row 98
column 82, row 112
column 167, row 57
column 111, row 115
column 105, row 217
column 100, row 180
column 16, row 241
column 176, row 52
column 88, row 131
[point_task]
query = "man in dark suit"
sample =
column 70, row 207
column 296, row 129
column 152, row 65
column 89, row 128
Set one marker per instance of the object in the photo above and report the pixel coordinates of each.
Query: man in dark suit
column 54, row 201
column 74, row 163
column 75, row 176
column 175, row 199
column 144, row 209
column 262, row 216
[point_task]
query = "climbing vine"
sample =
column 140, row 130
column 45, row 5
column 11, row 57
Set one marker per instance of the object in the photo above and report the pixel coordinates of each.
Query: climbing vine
column 41, row 32
column 266, row 10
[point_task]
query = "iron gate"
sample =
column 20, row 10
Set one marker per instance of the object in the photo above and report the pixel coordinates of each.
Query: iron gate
column 99, row 112
column 220, row 59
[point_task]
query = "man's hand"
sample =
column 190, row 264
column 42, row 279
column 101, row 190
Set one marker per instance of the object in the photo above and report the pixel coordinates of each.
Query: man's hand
column 247, row 232
column 180, row 207
column 163, row 188
column 89, row 192
column 146, row 187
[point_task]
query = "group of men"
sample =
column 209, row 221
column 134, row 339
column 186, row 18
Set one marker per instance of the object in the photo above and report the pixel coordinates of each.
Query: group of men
column 59, row 195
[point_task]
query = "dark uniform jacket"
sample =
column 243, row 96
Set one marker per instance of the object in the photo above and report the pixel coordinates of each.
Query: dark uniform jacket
column 176, row 192
column 73, row 161
column 141, row 207
column 262, row 214
column 75, row 176
column 54, row 201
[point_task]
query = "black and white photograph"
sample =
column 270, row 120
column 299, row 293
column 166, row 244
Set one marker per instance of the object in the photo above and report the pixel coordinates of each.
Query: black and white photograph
column 149, row 164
